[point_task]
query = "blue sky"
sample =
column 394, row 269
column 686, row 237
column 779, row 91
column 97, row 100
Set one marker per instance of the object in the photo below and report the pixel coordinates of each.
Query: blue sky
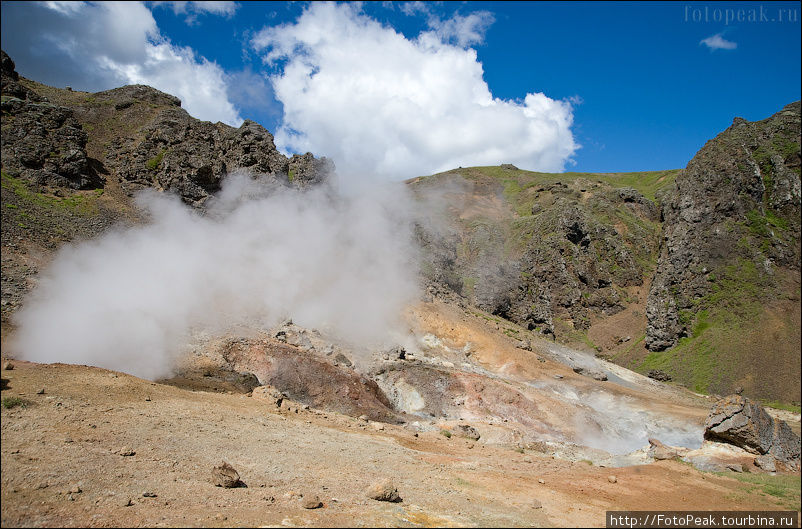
column 406, row 88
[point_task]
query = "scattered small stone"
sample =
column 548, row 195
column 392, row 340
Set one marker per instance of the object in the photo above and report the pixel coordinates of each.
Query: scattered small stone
column 735, row 467
column 43, row 485
column 536, row 504
column 127, row 502
column 592, row 373
column 220, row 516
column 311, row 502
column 225, row 476
column 766, row 462
column 342, row 359
column 268, row 393
column 465, row 430
column 612, row 479
column 148, row 494
column 659, row 375
column 126, row 452
column 8, row 366
column 41, row 391
column 75, row 489
column 558, row 377
column 399, row 352
column 384, row 491
column 377, row 426
column 542, row 481
column 363, row 418
column 660, row 452
column 147, row 399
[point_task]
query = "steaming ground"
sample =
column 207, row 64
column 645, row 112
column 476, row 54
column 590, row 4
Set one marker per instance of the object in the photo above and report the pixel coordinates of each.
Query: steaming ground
column 261, row 253
column 343, row 263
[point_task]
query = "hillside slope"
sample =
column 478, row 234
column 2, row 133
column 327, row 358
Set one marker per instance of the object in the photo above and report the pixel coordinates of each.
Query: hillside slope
column 726, row 294
column 694, row 273
column 71, row 162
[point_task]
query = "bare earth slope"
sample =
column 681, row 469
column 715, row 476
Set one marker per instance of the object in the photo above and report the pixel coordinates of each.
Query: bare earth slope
column 63, row 462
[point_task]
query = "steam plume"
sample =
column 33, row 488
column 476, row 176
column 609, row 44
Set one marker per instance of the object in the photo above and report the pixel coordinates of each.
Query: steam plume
column 127, row 300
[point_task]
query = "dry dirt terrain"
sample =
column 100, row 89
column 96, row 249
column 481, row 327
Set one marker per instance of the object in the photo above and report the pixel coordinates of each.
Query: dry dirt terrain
column 91, row 447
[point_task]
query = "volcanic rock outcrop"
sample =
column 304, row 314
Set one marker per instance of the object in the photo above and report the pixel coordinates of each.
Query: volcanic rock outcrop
column 136, row 134
column 736, row 204
column 41, row 141
column 739, row 421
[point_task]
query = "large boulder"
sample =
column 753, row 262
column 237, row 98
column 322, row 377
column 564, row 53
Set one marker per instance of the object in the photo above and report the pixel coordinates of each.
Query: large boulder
column 739, row 421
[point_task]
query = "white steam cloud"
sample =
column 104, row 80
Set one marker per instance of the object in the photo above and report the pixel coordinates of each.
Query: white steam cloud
column 128, row 300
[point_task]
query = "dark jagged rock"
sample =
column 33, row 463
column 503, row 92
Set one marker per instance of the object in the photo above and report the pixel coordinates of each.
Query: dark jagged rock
column 739, row 421
column 11, row 86
column 305, row 170
column 191, row 157
column 41, row 142
column 738, row 199
column 140, row 136
column 567, row 259
column 659, row 375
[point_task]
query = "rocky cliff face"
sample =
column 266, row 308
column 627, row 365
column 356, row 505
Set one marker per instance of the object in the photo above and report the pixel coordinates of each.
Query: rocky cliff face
column 137, row 136
column 72, row 160
column 41, row 141
column 538, row 251
column 737, row 204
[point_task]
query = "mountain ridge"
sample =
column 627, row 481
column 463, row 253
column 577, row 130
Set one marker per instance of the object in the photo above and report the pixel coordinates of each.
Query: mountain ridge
column 573, row 256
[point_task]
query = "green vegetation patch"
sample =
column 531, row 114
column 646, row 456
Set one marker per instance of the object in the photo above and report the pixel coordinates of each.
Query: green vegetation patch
column 81, row 203
column 785, row 487
column 14, row 402
column 156, row 161
column 694, row 362
column 777, row 405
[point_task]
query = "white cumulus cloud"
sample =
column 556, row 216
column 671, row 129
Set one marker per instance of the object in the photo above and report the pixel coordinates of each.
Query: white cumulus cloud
column 103, row 45
column 193, row 9
column 382, row 105
column 718, row 42
column 462, row 30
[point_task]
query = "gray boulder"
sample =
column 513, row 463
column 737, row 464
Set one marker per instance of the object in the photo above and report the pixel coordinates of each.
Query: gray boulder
column 739, row 421
column 595, row 374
